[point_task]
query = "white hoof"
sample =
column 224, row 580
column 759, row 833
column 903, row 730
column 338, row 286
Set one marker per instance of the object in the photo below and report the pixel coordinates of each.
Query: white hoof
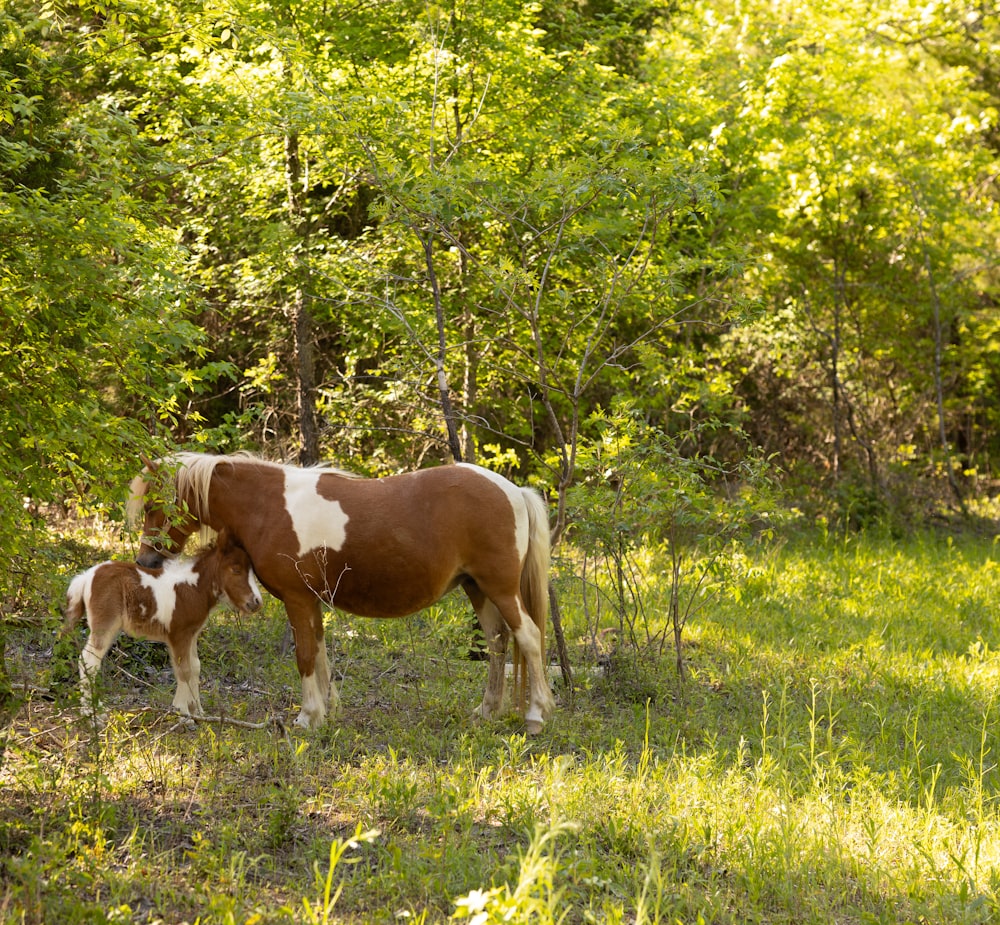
column 309, row 720
column 189, row 709
column 99, row 718
column 313, row 703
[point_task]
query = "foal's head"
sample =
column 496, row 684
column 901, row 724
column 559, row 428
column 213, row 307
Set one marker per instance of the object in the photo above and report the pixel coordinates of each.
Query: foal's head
column 228, row 567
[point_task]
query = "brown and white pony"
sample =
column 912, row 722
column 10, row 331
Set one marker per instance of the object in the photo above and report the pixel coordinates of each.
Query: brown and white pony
column 169, row 604
column 383, row 547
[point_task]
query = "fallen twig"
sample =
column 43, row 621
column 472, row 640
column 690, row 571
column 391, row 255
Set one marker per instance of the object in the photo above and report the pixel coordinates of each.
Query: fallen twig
column 188, row 722
column 239, row 723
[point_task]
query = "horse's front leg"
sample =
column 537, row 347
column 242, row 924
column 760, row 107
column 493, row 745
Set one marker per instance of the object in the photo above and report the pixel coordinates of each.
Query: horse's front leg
column 187, row 672
column 306, row 618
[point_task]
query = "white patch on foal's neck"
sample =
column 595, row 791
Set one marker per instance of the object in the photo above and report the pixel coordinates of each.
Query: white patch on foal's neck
column 318, row 522
column 164, row 587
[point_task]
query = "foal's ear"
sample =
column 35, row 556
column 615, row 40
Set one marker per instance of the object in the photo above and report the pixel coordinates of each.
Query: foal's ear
column 225, row 540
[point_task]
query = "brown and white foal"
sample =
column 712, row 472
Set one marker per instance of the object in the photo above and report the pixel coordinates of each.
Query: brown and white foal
column 169, row 604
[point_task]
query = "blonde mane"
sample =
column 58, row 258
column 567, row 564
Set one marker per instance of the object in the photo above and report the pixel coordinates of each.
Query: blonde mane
column 133, row 507
column 193, row 476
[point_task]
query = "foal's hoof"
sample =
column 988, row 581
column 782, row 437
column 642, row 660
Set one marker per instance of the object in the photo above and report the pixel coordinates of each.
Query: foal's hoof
column 98, row 720
column 186, row 712
column 185, row 719
column 309, row 720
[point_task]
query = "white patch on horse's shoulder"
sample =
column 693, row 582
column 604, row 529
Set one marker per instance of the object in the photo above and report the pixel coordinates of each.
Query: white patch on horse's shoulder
column 318, row 522
column 516, row 499
column 164, row 587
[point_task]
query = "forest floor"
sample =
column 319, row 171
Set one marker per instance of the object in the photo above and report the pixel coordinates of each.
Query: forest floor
column 831, row 756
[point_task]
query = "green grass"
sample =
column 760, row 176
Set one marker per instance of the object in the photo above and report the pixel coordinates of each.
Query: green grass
column 832, row 757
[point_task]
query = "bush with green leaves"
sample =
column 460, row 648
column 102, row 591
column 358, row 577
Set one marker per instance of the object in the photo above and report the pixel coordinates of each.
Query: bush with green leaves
column 641, row 489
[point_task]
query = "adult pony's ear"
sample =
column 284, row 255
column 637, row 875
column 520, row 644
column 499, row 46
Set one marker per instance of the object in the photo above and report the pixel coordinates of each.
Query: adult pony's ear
column 150, row 464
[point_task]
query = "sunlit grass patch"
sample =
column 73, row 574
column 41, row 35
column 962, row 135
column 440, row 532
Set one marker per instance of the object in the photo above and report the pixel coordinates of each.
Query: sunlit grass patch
column 831, row 756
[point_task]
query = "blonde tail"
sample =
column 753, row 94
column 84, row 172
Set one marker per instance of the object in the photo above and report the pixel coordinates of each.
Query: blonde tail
column 74, row 603
column 534, row 586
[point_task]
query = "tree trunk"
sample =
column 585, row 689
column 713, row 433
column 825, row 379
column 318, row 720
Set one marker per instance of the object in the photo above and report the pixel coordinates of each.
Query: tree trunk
column 562, row 650
column 835, row 390
column 299, row 310
column 8, row 702
column 304, row 379
column 471, row 385
column 470, row 333
column 440, row 361
column 939, row 337
column 676, row 617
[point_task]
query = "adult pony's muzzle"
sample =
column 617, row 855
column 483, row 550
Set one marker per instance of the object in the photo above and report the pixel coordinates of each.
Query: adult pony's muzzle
column 150, row 558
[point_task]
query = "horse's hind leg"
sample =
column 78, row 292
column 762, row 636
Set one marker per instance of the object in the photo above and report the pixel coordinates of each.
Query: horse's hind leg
column 101, row 638
column 496, row 633
column 529, row 640
column 540, row 700
column 187, row 672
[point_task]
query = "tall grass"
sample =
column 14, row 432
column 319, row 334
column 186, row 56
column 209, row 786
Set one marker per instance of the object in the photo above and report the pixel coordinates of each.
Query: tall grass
column 832, row 757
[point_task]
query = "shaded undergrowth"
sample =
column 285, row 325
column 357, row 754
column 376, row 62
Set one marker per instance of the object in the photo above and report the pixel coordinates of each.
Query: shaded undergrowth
column 832, row 756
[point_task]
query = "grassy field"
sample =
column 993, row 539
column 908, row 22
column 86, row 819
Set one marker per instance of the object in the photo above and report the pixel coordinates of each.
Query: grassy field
column 832, row 757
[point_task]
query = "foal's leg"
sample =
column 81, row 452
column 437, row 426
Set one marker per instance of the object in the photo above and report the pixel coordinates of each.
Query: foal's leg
column 496, row 633
column 187, row 671
column 102, row 636
column 306, row 618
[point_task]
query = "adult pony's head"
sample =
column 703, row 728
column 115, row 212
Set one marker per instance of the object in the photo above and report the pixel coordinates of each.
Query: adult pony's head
column 169, row 500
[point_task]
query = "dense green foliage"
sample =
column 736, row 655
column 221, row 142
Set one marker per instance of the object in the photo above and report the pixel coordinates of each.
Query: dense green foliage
column 832, row 757
column 391, row 232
